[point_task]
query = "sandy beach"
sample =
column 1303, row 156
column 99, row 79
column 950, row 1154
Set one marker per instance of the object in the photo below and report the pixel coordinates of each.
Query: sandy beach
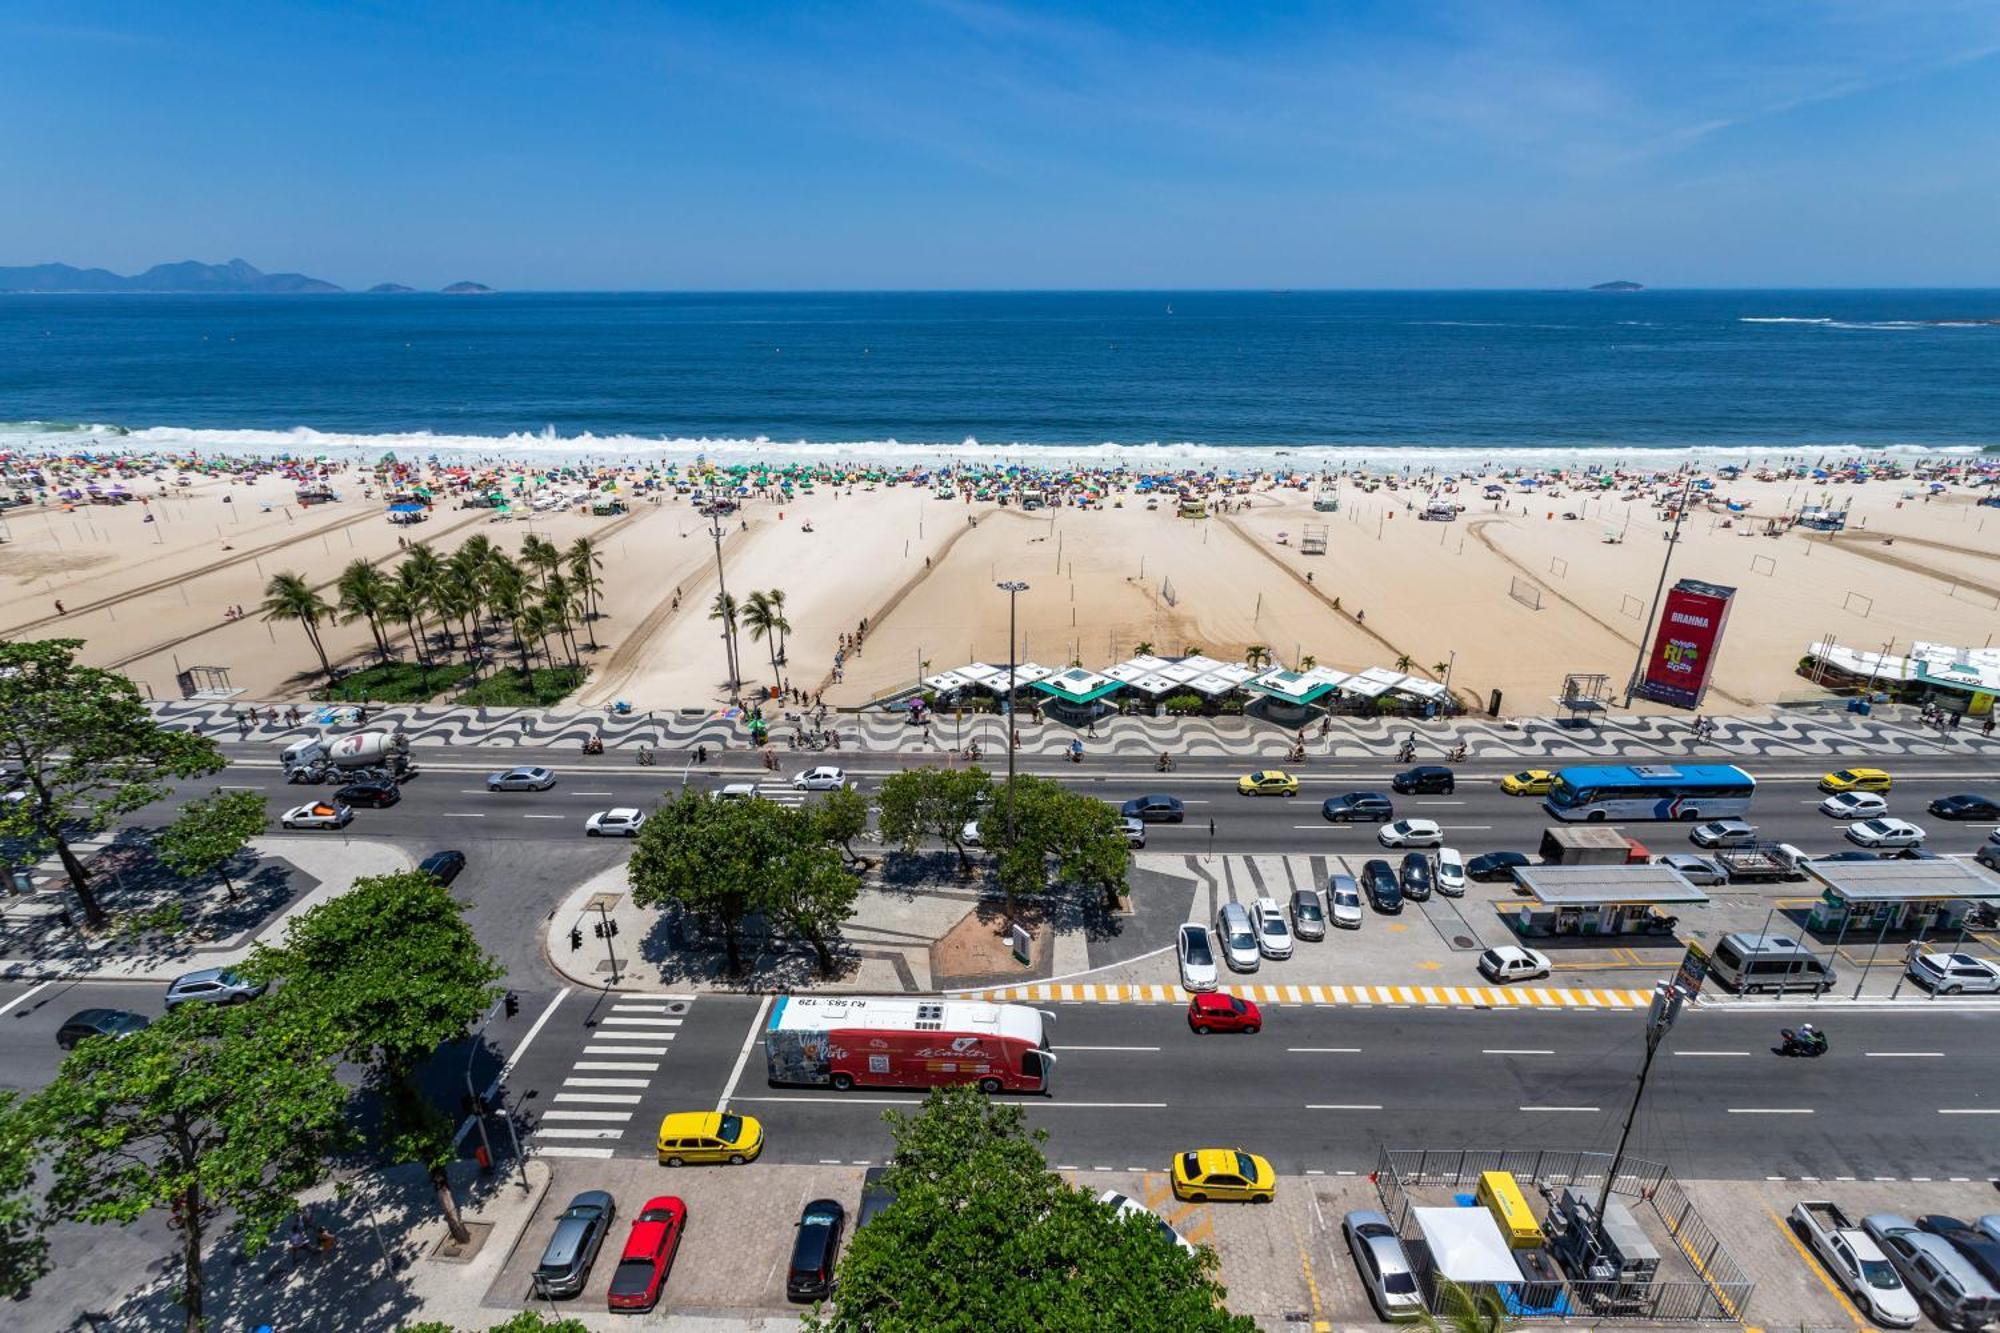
column 148, row 584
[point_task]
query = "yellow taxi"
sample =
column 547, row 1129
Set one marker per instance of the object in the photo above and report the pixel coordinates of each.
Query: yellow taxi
column 1268, row 782
column 1225, row 1174
column 709, row 1136
column 1855, row 779
column 1528, row 782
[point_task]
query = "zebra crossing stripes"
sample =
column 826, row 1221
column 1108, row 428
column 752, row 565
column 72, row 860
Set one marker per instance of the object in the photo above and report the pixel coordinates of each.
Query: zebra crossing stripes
column 780, row 793
column 1461, row 997
column 607, row 1083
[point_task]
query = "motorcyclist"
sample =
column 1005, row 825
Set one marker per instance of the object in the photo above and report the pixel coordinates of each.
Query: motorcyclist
column 1166, row 761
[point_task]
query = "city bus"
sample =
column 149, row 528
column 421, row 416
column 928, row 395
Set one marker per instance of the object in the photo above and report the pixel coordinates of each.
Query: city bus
column 843, row 1042
column 1650, row 791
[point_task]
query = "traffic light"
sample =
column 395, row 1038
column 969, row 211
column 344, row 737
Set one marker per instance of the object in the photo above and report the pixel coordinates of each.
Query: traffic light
column 612, row 926
column 597, row 929
column 575, row 939
column 512, row 1004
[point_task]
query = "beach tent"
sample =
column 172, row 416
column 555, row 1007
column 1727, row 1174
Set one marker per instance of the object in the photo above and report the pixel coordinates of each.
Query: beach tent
column 1466, row 1246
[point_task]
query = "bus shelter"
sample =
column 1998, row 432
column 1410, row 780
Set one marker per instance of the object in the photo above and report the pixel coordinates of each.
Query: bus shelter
column 1918, row 897
column 1601, row 899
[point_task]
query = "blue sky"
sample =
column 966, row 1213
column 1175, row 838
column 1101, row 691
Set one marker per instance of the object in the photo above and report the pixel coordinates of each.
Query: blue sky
column 958, row 144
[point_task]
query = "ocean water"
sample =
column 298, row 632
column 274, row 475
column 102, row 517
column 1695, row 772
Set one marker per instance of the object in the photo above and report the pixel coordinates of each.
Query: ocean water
column 1148, row 378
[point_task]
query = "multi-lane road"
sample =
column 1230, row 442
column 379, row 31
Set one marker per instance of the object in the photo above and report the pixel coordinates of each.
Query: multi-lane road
column 1905, row 1093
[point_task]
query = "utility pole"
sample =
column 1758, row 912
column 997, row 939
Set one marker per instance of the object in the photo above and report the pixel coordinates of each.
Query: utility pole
column 1660, row 1016
column 1646, row 636
column 722, row 588
column 1013, row 588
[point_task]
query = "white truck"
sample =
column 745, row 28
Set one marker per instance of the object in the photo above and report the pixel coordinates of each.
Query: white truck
column 382, row 756
column 1856, row 1262
column 1760, row 862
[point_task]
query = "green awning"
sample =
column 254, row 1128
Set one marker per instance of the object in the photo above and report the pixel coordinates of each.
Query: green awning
column 1054, row 686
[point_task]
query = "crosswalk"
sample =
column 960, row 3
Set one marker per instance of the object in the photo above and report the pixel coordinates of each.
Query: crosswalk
column 780, row 793
column 599, row 1100
column 1462, row 997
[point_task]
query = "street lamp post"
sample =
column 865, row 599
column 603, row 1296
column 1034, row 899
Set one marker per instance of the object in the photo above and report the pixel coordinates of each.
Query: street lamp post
column 1645, row 636
column 1666, row 1007
column 1013, row 588
column 722, row 588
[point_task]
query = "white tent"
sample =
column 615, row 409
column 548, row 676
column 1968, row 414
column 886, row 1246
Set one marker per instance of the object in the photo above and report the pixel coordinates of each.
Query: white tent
column 1466, row 1245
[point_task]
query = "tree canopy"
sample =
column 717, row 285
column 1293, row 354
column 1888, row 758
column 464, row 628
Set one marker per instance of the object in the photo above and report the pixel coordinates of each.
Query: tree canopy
column 983, row 1235
column 210, row 831
column 88, row 749
column 921, row 803
column 1081, row 835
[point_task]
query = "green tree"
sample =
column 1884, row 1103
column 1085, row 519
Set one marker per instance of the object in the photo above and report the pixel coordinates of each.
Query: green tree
column 363, row 590
column 1257, row 655
column 842, row 816
column 24, row 1250
column 1403, row 661
column 724, row 860
column 776, row 599
column 1083, row 836
column 526, row 1321
column 209, row 832
column 1143, row 648
column 88, row 750
column 766, row 621
column 212, row 1112
column 390, row 971
column 982, row 1235
column 289, row 597
column 928, row 802
column 583, row 562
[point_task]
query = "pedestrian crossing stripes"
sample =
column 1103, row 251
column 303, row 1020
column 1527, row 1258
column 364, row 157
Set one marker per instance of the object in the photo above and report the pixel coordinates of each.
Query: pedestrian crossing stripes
column 1461, row 997
column 600, row 1097
column 780, row 793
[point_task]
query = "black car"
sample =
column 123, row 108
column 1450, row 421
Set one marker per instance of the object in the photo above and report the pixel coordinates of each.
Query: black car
column 86, row 1023
column 443, row 866
column 368, row 793
column 875, row 1196
column 1358, row 805
column 1154, row 809
column 1850, row 856
column 1416, row 876
column 1380, row 882
column 1425, row 779
column 1495, row 867
column 1965, row 806
column 814, row 1252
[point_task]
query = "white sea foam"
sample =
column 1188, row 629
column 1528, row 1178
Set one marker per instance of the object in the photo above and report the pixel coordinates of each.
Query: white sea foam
column 1778, row 319
column 547, row 447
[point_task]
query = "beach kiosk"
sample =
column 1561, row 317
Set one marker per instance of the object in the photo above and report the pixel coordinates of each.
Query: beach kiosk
column 1568, row 900
column 1293, row 698
column 1077, row 696
column 1865, row 900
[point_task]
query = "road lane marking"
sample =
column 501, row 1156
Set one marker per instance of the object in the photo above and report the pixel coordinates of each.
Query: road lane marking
column 1343, row 1106
column 743, row 1056
column 1770, row 1110
column 1969, row 1110
column 1504, row 1050
column 624, row 1021
column 31, row 993
column 1711, row 1052
column 545, row 816
column 563, row 1150
column 1559, row 1108
column 624, row 1050
column 514, row 1058
column 613, row 1066
column 606, row 1082
column 1904, row 1055
column 593, row 793
column 614, row 1117
column 1324, row 1050
column 600, row 1098
column 457, row 814
column 561, row 1133
column 1104, row 1048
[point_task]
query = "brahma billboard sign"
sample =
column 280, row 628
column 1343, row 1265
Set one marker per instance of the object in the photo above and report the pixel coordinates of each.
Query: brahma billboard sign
column 1683, row 656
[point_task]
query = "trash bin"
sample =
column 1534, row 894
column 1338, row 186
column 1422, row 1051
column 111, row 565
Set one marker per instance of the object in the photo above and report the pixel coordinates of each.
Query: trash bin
column 1861, row 706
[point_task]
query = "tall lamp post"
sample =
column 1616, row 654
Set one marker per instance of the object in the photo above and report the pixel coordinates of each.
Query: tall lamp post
column 728, row 623
column 1646, row 636
column 1013, row 588
column 1660, row 1016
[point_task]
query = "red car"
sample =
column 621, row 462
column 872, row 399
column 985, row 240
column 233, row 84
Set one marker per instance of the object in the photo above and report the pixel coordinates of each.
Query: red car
column 1214, row 1011
column 649, row 1253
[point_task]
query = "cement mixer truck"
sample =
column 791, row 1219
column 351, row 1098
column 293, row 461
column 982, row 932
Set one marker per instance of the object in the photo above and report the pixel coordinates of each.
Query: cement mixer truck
column 382, row 756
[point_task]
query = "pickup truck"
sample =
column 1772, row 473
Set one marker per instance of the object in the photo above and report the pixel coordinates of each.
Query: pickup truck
column 1856, row 1262
column 1756, row 862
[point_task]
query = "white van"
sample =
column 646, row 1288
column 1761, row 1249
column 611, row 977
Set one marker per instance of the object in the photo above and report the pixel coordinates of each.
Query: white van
column 1769, row 962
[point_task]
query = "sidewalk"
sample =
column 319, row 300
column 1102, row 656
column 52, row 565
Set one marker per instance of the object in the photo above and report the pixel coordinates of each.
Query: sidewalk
column 295, row 873
column 1890, row 731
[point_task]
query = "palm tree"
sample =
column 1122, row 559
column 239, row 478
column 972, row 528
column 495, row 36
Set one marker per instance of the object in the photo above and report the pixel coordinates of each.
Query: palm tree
column 426, row 575
column 397, row 604
column 1403, row 663
column 1467, row 1312
column 776, row 597
column 1256, row 655
column 540, row 554
column 1439, row 668
column 414, row 597
column 1143, row 648
column 1308, row 662
column 584, row 562
column 535, row 622
column 289, row 597
column 558, row 602
column 724, row 610
column 763, row 619
column 361, row 588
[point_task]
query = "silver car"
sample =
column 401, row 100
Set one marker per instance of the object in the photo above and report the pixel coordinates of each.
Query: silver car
column 521, row 779
column 573, row 1246
column 1345, row 896
column 1723, row 833
column 1308, row 916
column 1239, row 938
column 1697, row 870
column 212, row 985
column 1385, row 1268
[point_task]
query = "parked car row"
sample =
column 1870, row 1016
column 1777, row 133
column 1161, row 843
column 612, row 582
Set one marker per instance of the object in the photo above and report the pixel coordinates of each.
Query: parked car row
column 1897, row 1270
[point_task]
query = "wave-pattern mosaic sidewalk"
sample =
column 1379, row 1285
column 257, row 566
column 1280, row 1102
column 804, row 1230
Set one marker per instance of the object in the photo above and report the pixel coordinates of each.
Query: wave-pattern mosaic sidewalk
column 1635, row 737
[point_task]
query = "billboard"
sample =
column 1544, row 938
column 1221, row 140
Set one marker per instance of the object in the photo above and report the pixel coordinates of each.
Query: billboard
column 1683, row 657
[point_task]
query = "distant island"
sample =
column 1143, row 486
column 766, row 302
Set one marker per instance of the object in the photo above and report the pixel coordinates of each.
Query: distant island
column 1619, row 286
column 468, row 289
column 188, row 276
column 389, row 289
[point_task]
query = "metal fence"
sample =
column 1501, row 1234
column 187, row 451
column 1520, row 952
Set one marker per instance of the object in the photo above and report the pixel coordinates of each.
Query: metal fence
column 1719, row 1291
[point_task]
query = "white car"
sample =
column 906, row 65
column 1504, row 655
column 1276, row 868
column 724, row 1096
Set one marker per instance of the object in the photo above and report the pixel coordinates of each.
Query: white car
column 1854, row 805
column 1127, row 1207
column 318, row 814
column 969, row 835
column 1197, row 955
column 1410, row 833
column 1343, row 898
column 1511, row 962
column 1954, row 973
column 1723, row 833
column 1885, row 833
column 1135, row 832
column 1450, row 873
column 824, row 778
column 1274, row 933
column 624, row 822
column 521, row 779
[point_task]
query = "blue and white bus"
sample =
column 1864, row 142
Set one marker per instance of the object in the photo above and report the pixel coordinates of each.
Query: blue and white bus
column 1650, row 791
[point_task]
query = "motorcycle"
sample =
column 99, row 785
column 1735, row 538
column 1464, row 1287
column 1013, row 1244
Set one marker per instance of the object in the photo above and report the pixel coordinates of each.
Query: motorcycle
column 593, row 746
column 1166, row 764
column 1792, row 1041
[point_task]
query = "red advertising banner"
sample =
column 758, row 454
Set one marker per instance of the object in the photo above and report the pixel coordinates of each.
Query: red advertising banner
column 1683, row 658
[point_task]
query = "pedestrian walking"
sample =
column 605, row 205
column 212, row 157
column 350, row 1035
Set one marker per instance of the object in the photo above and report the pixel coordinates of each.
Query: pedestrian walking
column 59, row 608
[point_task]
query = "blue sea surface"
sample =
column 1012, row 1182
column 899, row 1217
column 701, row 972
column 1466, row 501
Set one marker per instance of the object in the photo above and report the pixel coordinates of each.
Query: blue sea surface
column 1479, row 371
